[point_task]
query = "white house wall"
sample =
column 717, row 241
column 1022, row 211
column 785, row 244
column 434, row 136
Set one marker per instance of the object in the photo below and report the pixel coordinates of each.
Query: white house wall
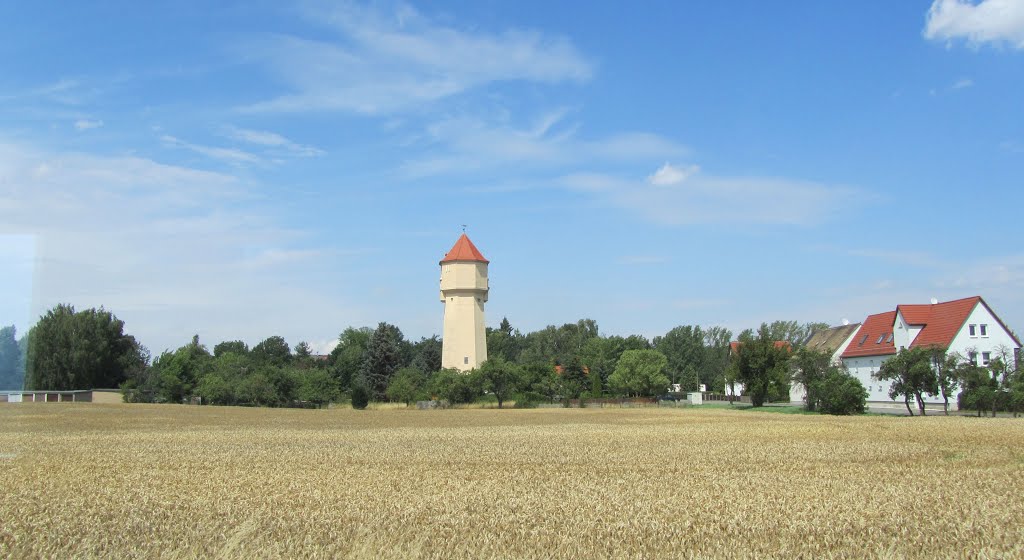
column 996, row 341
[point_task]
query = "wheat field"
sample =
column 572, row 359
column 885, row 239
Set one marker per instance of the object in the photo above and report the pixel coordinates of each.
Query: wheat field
column 166, row 481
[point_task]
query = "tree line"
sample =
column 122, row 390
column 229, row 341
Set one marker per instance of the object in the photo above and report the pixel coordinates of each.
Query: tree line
column 89, row 349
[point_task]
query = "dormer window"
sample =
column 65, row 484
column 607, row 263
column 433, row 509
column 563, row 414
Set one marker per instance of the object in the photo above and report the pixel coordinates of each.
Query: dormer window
column 889, row 339
column 881, row 337
column 863, row 340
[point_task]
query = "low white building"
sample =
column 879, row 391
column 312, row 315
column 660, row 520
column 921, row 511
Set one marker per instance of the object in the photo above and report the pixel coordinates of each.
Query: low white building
column 966, row 326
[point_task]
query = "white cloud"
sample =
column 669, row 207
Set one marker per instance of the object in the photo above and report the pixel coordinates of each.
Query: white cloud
column 669, row 174
column 988, row 21
column 228, row 155
column 172, row 250
column 388, row 62
column 468, row 144
column 963, row 83
column 708, row 199
column 279, row 144
column 87, row 124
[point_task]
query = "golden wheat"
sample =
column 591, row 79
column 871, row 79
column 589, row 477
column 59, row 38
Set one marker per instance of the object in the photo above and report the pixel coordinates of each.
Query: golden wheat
column 164, row 481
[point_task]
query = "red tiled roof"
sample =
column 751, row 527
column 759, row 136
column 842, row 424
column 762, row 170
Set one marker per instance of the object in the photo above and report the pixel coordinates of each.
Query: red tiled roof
column 941, row 320
column 875, row 326
column 464, row 250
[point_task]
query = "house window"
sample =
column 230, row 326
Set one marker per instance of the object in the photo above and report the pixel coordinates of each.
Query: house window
column 985, row 358
column 465, row 360
column 983, row 329
column 973, row 358
column 972, row 330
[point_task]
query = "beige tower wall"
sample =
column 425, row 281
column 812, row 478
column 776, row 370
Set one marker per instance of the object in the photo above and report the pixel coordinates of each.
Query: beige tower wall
column 464, row 291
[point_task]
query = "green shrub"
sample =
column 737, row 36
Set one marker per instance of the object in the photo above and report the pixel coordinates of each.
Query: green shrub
column 841, row 393
column 528, row 399
column 360, row 396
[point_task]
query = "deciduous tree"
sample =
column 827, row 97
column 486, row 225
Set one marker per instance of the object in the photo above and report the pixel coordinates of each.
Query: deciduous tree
column 912, row 376
column 272, row 351
column 84, row 350
column 406, row 385
column 640, row 373
column 761, row 365
column 501, row 378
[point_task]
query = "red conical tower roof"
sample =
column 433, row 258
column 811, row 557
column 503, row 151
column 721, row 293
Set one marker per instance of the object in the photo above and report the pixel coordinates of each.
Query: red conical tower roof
column 464, row 250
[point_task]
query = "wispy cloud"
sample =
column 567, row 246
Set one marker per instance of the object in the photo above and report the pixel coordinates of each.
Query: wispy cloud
column 231, row 156
column 386, row 61
column 708, row 199
column 963, row 83
column 669, row 174
column 87, row 124
column 469, row 144
column 989, row 21
column 278, row 144
column 171, row 249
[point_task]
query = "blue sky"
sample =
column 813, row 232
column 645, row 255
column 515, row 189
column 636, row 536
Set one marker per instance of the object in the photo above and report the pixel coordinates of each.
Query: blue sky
column 240, row 170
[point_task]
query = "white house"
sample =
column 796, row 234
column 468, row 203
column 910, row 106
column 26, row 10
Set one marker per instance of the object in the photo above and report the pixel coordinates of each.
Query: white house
column 966, row 326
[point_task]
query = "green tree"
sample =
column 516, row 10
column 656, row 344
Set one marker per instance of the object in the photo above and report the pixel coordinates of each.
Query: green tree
column 176, row 375
column 1004, row 372
column 501, row 378
column 10, row 358
column 573, row 378
column 716, row 358
column 912, row 376
column 383, row 358
column 762, row 366
column 360, row 393
column 683, row 346
column 232, row 346
column 427, row 355
column 809, row 368
column 838, row 392
column 406, row 385
column 84, row 350
column 257, row 389
column 639, row 373
column 214, row 389
column 456, row 387
column 978, row 387
column 601, row 354
column 346, row 359
column 273, row 351
column 317, row 386
column 947, row 377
